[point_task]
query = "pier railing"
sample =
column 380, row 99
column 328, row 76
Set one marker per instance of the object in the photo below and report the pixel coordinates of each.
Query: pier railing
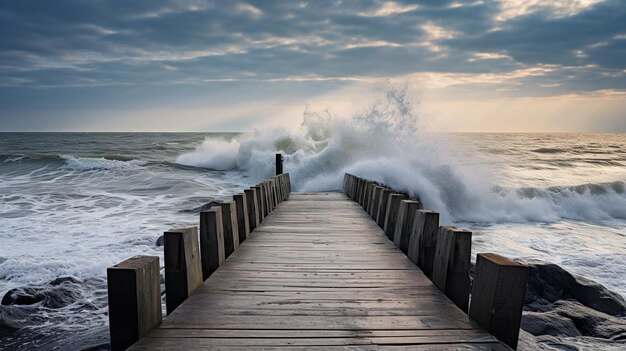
column 191, row 256
column 443, row 254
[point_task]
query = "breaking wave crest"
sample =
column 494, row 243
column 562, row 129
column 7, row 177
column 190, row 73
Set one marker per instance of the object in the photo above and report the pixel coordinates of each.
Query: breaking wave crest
column 382, row 143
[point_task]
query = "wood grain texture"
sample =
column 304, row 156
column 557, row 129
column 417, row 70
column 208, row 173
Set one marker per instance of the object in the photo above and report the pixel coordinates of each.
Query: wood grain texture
column 318, row 273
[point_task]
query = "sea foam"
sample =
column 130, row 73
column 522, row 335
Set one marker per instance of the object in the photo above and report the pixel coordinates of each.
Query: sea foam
column 382, row 143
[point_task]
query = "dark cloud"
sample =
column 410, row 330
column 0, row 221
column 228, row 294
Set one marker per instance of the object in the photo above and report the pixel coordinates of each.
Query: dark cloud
column 150, row 46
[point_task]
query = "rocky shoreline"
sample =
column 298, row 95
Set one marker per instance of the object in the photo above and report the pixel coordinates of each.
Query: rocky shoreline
column 561, row 312
column 567, row 312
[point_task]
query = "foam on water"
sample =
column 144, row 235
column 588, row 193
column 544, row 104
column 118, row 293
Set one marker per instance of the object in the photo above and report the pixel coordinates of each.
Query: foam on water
column 382, row 143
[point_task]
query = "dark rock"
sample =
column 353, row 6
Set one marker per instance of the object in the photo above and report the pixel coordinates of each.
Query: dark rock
column 57, row 296
column 10, row 320
column 204, row 207
column 160, row 241
column 549, row 283
column 61, row 280
column 548, row 323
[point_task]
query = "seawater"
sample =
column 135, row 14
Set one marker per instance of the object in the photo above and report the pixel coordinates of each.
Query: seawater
column 72, row 204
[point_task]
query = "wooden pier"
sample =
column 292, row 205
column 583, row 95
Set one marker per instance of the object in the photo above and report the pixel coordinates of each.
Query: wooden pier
column 319, row 273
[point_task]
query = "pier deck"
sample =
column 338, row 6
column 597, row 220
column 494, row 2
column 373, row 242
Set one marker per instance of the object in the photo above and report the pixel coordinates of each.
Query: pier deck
column 318, row 273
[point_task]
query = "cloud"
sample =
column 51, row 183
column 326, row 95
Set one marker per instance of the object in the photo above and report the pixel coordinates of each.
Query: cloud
column 151, row 47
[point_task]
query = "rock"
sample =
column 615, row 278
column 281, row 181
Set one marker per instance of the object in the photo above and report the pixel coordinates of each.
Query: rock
column 549, row 283
column 55, row 296
column 10, row 320
column 160, row 241
column 61, row 280
column 201, row 208
column 548, row 323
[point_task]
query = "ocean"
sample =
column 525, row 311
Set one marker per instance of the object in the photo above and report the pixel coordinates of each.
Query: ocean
column 73, row 204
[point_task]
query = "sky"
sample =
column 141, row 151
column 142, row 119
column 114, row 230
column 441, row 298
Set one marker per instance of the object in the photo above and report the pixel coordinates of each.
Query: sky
column 186, row 65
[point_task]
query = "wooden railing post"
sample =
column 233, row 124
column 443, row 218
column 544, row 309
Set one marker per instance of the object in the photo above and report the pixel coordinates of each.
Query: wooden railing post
column 134, row 294
column 452, row 264
column 368, row 196
column 260, row 201
column 382, row 207
column 253, row 212
column 211, row 240
column 279, row 164
column 423, row 242
column 498, row 296
column 404, row 224
column 183, row 270
column 243, row 221
column 391, row 214
column 231, row 233
column 375, row 200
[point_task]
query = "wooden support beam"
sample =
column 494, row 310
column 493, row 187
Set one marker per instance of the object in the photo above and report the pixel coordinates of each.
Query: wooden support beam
column 211, row 240
column 391, row 215
column 452, row 264
column 231, row 232
column 134, row 294
column 498, row 296
column 183, row 269
column 253, row 211
column 404, row 224
column 423, row 242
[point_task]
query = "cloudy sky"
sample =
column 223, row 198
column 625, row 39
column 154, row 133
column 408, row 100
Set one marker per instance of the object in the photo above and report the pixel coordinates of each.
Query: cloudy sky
column 186, row 65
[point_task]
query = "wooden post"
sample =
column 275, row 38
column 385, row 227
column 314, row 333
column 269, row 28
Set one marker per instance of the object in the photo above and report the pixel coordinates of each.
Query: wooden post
column 375, row 200
column 266, row 205
column 243, row 221
column 382, row 207
column 498, row 296
column 211, row 240
column 391, row 215
column 452, row 264
column 404, row 224
column 279, row 188
column 253, row 212
column 134, row 294
column 423, row 242
column 183, row 270
column 274, row 192
column 260, row 202
column 279, row 164
column 231, row 234
column 367, row 196
column 288, row 183
column 267, row 197
column 359, row 192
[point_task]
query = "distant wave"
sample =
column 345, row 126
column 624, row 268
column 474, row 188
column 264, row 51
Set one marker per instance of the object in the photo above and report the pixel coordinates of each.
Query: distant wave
column 548, row 150
column 96, row 163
